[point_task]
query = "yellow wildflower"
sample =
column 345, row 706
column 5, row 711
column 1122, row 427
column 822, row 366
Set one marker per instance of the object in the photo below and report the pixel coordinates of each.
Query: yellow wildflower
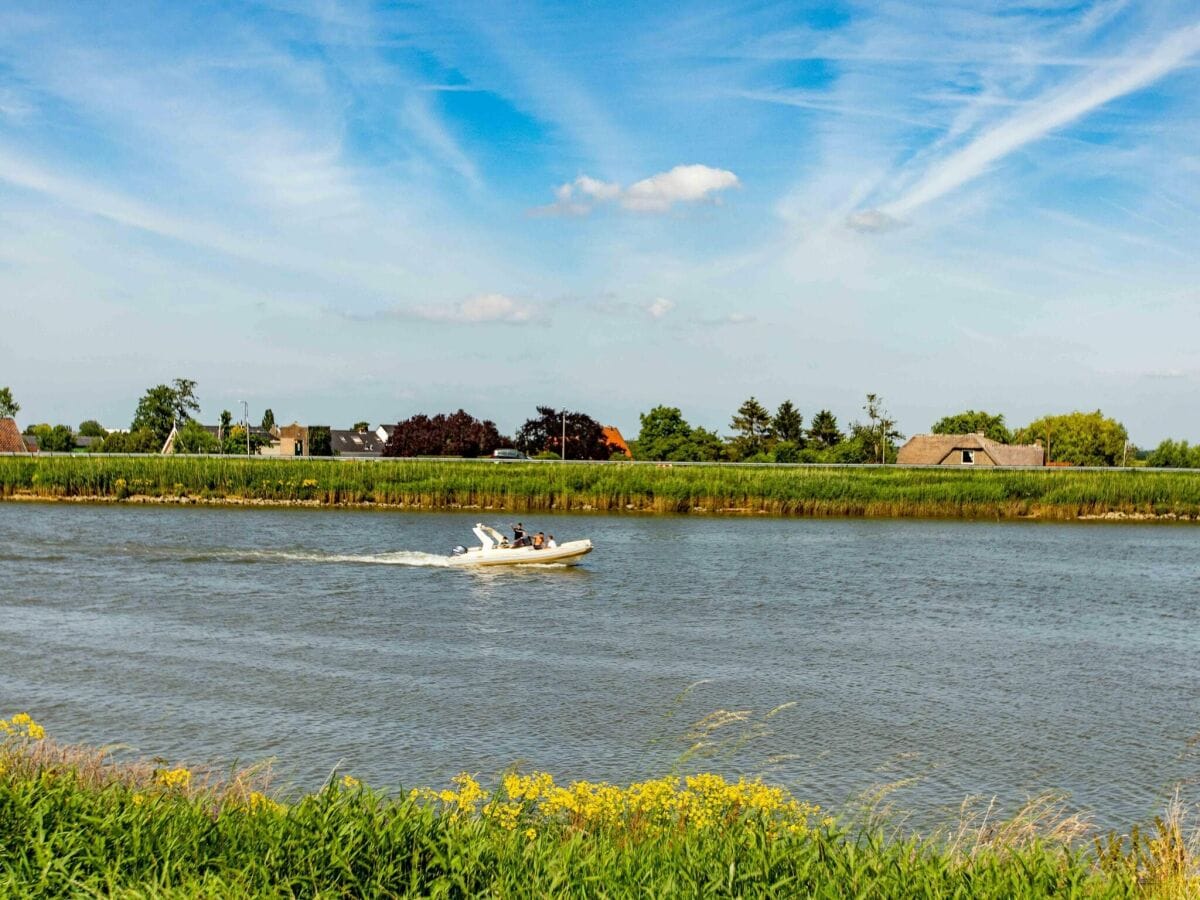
column 531, row 833
column 173, row 778
column 260, row 802
column 350, row 783
column 22, row 726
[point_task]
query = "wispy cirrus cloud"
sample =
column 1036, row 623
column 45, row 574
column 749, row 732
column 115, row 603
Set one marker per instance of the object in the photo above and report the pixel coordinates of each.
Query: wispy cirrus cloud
column 1052, row 111
column 656, row 194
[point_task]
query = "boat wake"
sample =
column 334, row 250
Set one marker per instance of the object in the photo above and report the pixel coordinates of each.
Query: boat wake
column 394, row 558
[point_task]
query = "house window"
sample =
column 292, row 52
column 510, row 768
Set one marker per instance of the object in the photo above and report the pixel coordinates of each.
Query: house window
column 968, row 457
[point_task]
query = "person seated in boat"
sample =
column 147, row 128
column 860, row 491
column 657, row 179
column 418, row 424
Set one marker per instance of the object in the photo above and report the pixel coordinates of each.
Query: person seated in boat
column 539, row 541
column 551, row 543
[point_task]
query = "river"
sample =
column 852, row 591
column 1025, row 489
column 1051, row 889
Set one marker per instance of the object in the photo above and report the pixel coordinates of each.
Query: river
column 960, row 658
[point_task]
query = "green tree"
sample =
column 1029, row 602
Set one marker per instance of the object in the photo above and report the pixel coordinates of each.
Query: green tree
column 823, row 430
column 974, row 422
column 707, row 446
column 234, row 442
column 53, row 438
column 881, row 427
column 856, row 447
column 1174, row 455
column 362, row 427
column 752, row 424
column 92, row 428
column 788, row 424
column 664, row 434
column 156, row 412
column 1078, row 438
column 268, row 419
column 163, row 407
column 185, row 402
column 320, row 441
column 8, row 406
column 140, row 441
column 193, row 438
column 786, row 452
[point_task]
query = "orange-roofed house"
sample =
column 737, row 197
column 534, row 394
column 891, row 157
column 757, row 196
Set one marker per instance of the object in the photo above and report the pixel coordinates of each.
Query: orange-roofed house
column 612, row 435
column 11, row 440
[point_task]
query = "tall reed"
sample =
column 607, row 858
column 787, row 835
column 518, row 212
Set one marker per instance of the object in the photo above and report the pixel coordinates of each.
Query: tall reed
column 746, row 490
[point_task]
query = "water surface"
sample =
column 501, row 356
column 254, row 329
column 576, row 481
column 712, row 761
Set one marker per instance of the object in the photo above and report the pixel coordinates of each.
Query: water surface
column 977, row 658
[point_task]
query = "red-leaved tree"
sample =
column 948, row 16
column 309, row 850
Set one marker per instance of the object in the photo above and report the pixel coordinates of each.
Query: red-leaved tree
column 457, row 434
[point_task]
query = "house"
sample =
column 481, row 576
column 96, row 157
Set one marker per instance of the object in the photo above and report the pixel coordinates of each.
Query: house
column 385, row 432
column 612, row 435
column 967, row 450
column 11, row 439
column 355, row 444
column 293, row 440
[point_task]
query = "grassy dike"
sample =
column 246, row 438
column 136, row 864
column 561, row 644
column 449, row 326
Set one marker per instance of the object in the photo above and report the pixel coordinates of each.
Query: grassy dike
column 434, row 484
column 73, row 823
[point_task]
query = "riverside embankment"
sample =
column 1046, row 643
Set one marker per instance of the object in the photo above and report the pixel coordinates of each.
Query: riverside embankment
column 75, row 823
column 886, row 491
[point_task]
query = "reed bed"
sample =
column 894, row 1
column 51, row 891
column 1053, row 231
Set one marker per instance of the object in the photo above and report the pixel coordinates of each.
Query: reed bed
column 747, row 490
column 74, row 822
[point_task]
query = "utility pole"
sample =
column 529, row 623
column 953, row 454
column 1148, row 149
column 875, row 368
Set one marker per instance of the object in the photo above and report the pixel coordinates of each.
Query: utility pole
column 246, row 425
column 564, row 435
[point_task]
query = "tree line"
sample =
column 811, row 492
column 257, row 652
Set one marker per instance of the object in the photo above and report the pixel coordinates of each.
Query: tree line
column 756, row 434
column 759, row 435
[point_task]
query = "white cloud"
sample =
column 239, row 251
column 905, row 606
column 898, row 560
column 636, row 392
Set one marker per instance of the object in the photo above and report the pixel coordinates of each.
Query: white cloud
column 660, row 307
column 683, row 184
column 479, row 309
column 872, row 221
column 658, row 193
column 596, row 189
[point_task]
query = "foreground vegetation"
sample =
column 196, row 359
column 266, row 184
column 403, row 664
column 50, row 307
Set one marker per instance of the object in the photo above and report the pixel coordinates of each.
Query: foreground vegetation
column 72, row 822
column 440, row 484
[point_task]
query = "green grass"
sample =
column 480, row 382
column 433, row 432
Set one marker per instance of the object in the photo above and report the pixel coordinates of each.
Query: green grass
column 434, row 484
column 72, row 823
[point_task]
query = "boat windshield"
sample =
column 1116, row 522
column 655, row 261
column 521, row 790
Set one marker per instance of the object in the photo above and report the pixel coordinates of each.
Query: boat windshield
column 489, row 536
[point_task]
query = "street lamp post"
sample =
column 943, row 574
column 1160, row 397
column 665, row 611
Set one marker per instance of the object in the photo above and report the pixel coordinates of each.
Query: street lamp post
column 564, row 435
column 246, row 425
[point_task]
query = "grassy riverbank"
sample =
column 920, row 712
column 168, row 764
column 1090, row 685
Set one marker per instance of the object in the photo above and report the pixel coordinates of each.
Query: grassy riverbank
column 434, row 484
column 74, row 823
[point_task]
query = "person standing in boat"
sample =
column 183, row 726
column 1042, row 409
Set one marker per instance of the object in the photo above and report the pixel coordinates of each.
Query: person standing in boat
column 520, row 538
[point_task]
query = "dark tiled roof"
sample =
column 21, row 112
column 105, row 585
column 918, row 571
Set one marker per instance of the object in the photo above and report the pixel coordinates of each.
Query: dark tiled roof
column 355, row 443
column 257, row 430
column 11, row 440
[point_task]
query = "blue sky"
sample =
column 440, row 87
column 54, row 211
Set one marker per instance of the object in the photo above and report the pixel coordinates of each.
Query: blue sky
column 353, row 211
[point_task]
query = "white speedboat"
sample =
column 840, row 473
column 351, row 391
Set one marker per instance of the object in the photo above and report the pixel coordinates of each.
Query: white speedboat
column 495, row 550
